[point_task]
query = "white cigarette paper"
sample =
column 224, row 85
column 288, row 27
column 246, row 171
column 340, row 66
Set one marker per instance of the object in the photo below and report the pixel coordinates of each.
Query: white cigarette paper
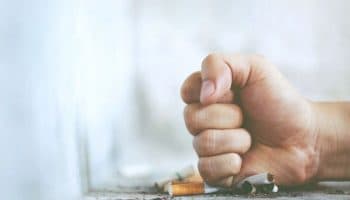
column 208, row 189
column 251, row 183
column 258, row 179
column 275, row 188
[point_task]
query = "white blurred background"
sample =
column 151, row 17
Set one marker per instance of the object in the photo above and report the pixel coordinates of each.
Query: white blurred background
column 90, row 89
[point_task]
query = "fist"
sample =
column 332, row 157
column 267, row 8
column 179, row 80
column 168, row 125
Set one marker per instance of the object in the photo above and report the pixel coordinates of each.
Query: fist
column 247, row 119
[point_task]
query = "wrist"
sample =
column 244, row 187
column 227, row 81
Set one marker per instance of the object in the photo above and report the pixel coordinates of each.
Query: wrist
column 331, row 127
column 324, row 140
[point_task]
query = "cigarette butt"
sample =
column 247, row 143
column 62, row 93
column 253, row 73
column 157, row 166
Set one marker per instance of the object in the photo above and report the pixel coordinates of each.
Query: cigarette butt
column 258, row 179
column 177, row 176
column 189, row 188
column 268, row 188
column 275, row 188
column 263, row 182
column 248, row 188
column 192, row 179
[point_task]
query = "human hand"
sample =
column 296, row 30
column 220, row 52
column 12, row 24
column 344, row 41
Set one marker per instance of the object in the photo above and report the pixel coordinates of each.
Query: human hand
column 246, row 119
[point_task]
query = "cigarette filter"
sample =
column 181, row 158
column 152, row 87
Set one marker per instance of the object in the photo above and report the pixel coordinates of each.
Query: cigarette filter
column 189, row 188
column 177, row 176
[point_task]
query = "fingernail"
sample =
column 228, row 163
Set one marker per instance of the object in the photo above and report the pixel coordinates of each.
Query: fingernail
column 207, row 89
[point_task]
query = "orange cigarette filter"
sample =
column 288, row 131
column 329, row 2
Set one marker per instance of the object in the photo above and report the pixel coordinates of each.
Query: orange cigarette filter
column 186, row 188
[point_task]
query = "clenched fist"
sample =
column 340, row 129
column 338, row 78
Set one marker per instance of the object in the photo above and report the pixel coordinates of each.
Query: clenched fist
column 246, row 118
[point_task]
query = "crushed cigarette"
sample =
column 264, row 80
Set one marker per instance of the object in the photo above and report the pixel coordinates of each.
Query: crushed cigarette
column 248, row 188
column 259, row 179
column 263, row 182
column 182, row 174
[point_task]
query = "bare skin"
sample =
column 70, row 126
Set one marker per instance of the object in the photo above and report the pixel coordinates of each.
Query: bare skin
column 246, row 119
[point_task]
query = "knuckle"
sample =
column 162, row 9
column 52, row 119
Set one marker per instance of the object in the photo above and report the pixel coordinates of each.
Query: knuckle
column 185, row 92
column 246, row 140
column 204, row 143
column 191, row 119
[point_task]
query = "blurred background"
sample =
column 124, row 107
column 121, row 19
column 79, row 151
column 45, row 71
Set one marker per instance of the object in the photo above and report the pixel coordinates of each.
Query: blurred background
column 90, row 89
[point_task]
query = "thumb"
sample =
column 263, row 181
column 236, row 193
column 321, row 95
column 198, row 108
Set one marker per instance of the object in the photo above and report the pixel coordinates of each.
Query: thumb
column 216, row 79
column 219, row 72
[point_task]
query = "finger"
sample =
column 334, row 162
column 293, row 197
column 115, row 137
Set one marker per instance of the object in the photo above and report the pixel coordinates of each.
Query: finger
column 220, row 72
column 213, row 169
column 214, row 116
column 190, row 90
column 216, row 77
column 213, row 142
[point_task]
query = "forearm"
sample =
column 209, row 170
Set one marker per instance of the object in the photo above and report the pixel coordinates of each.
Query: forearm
column 333, row 128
